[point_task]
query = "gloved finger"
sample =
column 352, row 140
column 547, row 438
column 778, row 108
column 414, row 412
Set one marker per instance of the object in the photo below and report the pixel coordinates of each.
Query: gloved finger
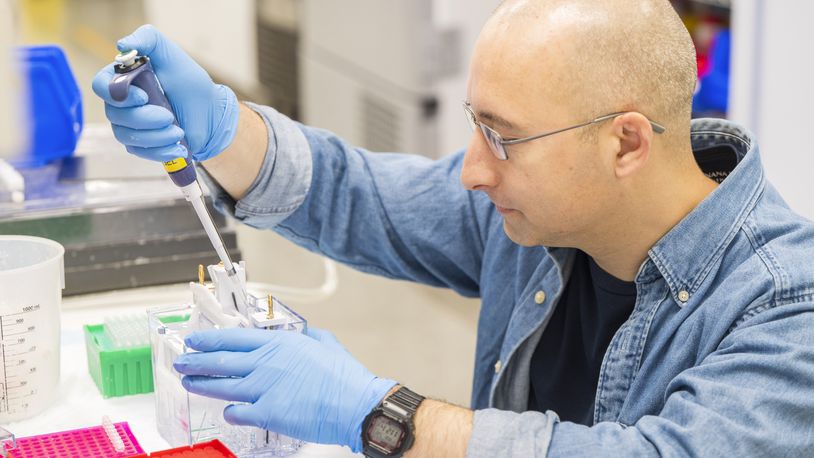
column 243, row 415
column 325, row 337
column 233, row 339
column 225, row 388
column 150, row 138
column 160, row 154
column 135, row 95
column 216, row 363
column 143, row 117
column 150, row 42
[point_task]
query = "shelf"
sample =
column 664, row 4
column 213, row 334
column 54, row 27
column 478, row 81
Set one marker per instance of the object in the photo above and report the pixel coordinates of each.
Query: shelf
column 725, row 4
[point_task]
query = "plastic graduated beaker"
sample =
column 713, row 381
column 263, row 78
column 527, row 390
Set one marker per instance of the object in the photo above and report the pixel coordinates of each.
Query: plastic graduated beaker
column 31, row 281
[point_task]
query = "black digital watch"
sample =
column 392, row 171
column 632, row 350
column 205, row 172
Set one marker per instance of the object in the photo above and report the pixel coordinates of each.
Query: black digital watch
column 388, row 430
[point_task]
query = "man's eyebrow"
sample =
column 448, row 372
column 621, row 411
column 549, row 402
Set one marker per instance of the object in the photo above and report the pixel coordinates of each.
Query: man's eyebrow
column 495, row 120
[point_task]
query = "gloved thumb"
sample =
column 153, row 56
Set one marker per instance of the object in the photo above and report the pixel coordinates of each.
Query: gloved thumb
column 150, row 42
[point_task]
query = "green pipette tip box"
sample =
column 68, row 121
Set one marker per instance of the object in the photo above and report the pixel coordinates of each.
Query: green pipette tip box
column 120, row 371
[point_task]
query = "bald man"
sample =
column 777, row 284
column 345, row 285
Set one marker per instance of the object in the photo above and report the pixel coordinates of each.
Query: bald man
column 645, row 291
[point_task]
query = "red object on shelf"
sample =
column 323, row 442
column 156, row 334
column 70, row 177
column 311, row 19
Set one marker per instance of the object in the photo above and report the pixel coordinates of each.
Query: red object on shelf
column 702, row 61
column 210, row 449
column 85, row 442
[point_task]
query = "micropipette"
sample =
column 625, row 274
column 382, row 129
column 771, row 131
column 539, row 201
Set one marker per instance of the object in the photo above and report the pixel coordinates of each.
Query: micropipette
column 136, row 70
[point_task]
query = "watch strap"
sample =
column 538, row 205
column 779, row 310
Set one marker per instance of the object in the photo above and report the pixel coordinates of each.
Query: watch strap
column 403, row 402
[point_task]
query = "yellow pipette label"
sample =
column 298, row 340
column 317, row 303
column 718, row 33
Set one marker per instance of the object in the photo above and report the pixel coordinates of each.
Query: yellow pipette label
column 175, row 165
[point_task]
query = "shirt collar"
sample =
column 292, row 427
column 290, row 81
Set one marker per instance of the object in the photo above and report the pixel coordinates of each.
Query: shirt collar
column 686, row 254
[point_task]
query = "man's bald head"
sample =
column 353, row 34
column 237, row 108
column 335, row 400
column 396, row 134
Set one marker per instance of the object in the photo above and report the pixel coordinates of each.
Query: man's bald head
column 606, row 56
column 610, row 188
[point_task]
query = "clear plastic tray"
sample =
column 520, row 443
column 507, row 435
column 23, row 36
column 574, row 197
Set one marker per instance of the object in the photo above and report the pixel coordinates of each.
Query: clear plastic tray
column 185, row 419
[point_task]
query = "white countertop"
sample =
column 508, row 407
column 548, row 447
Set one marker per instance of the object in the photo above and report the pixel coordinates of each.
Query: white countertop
column 80, row 403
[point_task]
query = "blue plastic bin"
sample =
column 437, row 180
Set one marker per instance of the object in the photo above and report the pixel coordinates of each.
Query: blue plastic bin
column 713, row 95
column 54, row 105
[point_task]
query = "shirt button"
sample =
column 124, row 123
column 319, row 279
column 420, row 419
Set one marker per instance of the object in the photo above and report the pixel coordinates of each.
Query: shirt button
column 497, row 367
column 683, row 296
column 539, row 297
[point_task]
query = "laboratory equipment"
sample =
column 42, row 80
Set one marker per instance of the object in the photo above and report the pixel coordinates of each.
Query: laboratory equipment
column 112, row 434
column 133, row 69
column 186, row 418
column 121, row 227
column 119, row 358
column 12, row 184
column 125, row 331
column 54, row 105
column 117, row 370
column 209, row 449
column 108, row 440
column 31, row 282
column 7, row 441
column 11, row 115
column 397, row 92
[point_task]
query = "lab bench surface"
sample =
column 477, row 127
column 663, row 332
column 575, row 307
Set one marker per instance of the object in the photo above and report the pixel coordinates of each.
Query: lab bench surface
column 79, row 403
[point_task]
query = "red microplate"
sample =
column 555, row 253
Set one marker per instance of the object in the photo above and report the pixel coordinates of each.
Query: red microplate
column 210, row 449
column 85, row 442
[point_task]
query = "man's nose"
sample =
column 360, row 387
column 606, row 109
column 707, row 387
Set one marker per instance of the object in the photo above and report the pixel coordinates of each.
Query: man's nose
column 479, row 171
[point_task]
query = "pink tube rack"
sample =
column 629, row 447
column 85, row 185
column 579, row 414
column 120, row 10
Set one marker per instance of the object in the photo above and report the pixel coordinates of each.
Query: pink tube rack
column 85, row 442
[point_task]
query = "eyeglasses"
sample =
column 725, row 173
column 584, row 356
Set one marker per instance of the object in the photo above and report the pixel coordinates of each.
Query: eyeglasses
column 498, row 145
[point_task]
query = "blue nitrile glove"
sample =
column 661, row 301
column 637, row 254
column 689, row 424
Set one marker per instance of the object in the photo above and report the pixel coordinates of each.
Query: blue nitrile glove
column 207, row 112
column 304, row 386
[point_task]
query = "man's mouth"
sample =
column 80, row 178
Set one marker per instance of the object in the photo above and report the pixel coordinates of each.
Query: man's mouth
column 504, row 210
column 500, row 208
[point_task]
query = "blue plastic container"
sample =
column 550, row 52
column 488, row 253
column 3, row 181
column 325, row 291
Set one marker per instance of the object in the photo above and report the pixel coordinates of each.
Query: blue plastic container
column 54, row 105
column 713, row 95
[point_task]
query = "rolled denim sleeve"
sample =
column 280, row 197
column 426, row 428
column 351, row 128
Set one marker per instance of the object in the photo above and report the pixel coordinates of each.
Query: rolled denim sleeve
column 283, row 181
column 503, row 433
column 397, row 215
column 752, row 397
column 401, row 216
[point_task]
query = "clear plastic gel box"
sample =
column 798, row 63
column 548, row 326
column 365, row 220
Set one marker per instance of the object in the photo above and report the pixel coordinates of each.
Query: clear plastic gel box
column 184, row 418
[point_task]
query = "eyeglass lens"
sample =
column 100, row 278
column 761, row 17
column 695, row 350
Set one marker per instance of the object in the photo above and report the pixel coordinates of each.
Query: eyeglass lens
column 494, row 140
column 492, row 137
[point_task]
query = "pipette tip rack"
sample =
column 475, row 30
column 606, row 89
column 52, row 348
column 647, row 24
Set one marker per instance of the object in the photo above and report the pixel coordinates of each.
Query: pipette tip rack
column 119, row 358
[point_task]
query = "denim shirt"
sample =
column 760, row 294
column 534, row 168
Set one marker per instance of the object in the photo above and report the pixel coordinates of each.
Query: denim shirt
column 716, row 359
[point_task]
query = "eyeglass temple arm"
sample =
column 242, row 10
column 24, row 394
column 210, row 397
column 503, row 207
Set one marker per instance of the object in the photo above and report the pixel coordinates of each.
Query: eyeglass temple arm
column 657, row 128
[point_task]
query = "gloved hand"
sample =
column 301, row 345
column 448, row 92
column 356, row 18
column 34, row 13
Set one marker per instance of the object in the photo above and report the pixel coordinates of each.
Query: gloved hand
column 304, row 386
column 206, row 112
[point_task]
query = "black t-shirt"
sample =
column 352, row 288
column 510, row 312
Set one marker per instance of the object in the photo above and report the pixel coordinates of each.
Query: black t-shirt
column 565, row 365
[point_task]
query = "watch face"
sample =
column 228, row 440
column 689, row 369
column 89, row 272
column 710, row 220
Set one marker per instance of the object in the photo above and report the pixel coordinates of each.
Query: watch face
column 386, row 433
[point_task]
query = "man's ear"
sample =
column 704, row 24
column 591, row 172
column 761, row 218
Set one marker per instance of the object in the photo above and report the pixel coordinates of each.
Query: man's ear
column 633, row 135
